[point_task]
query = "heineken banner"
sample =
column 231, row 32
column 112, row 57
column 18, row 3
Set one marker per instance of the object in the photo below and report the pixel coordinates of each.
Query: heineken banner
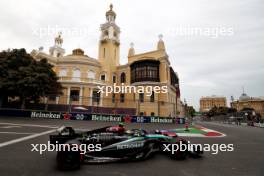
column 14, row 113
column 107, row 118
column 88, row 116
column 48, row 115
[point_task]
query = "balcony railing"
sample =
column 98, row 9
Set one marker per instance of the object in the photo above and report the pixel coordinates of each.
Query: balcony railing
column 80, row 80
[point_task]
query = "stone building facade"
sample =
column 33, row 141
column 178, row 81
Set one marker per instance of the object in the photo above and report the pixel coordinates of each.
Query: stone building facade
column 80, row 74
column 207, row 103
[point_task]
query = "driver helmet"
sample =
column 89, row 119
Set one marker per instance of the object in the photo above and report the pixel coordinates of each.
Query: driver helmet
column 121, row 124
column 157, row 131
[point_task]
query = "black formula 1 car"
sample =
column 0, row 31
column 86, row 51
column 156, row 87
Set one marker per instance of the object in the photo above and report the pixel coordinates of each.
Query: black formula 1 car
column 111, row 144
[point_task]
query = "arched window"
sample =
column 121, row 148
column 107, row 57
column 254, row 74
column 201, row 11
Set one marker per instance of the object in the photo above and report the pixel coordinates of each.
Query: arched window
column 91, row 74
column 76, row 74
column 114, row 78
column 103, row 77
column 141, row 97
column 63, row 72
column 152, row 97
column 122, row 98
column 123, row 77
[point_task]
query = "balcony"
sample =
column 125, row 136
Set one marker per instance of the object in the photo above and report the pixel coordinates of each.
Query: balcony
column 64, row 79
column 145, row 71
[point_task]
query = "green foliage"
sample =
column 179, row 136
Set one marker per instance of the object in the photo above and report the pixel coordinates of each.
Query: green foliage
column 220, row 111
column 24, row 77
column 190, row 111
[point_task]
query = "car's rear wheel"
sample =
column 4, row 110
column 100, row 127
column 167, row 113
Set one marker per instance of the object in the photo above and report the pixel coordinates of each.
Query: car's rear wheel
column 196, row 153
column 68, row 160
column 179, row 155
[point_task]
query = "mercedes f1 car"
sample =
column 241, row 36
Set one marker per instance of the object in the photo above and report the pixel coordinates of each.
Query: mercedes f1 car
column 116, row 144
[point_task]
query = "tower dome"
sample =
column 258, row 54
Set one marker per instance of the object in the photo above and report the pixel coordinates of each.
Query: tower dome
column 161, row 45
column 131, row 51
column 244, row 97
column 58, row 40
column 110, row 14
column 57, row 50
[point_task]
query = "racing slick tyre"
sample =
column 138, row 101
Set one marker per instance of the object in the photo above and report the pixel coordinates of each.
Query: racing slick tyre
column 69, row 160
column 179, row 155
column 196, row 153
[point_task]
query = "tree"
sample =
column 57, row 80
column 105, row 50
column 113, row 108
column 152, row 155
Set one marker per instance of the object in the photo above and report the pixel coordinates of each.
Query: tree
column 191, row 111
column 214, row 111
column 24, row 77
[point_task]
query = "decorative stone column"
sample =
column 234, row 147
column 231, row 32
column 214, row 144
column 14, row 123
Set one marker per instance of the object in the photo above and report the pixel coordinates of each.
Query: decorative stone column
column 81, row 95
column 68, row 94
column 101, row 99
column 57, row 99
column 91, row 96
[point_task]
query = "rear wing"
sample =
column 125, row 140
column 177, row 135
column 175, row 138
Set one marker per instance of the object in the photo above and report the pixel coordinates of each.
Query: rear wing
column 68, row 133
column 64, row 134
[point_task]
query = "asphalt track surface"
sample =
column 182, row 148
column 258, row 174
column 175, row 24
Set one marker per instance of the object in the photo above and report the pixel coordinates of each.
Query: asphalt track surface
column 16, row 158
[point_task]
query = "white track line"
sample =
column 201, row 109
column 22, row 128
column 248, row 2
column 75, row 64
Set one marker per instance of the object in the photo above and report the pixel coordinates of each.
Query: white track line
column 11, row 132
column 12, row 126
column 190, row 135
column 29, row 125
column 25, row 138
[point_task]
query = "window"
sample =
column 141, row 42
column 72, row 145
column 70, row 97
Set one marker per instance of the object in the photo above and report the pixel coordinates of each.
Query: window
column 91, row 74
column 63, row 72
column 113, row 98
column 174, row 78
column 104, row 52
column 141, row 97
column 123, row 77
column 96, row 96
column 103, row 77
column 152, row 97
column 76, row 74
column 74, row 94
column 114, row 79
column 122, row 98
column 146, row 70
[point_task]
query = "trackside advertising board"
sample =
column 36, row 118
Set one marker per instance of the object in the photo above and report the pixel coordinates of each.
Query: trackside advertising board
column 87, row 116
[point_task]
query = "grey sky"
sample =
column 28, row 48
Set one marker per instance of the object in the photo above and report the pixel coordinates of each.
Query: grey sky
column 206, row 65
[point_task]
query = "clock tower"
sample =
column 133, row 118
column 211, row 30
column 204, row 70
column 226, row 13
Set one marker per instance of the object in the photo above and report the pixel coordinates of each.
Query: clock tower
column 109, row 44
